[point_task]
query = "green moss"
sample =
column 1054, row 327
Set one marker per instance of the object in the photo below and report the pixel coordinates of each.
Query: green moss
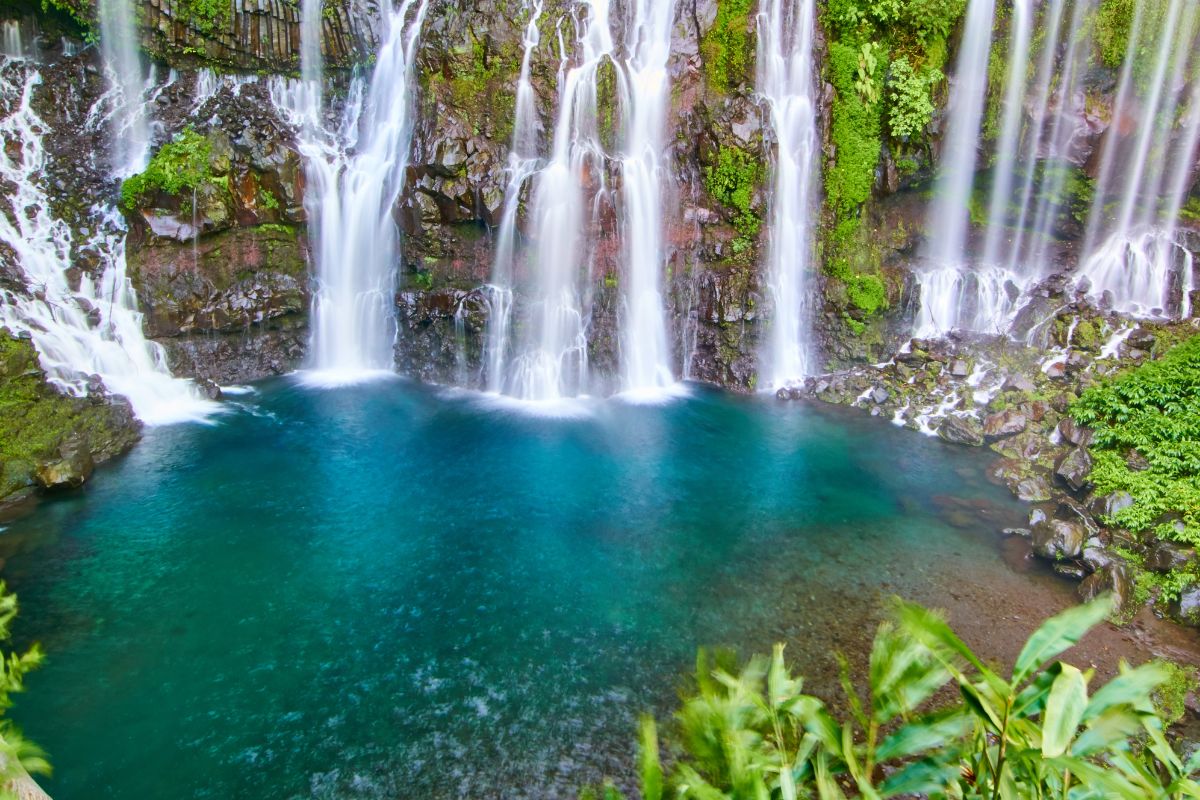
column 182, row 165
column 728, row 47
column 732, row 181
column 866, row 293
column 35, row 420
column 856, row 131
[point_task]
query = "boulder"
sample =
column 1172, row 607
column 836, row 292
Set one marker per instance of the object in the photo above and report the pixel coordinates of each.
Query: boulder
column 1169, row 556
column 1107, row 505
column 1095, row 559
column 1003, row 424
column 1114, row 578
column 960, row 368
column 1074, row 433
column 1019, row 383
column 1032, row 489
column 879, row 395
column 1073, row 469
column 1189, row 606
column 961, row 430
column 73, row 467
column 1058, row 539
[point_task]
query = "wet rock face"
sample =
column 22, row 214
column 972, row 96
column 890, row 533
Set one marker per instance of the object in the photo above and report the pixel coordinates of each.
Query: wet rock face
column 1059, row 539
column 49, row 440
column 252, row 34
column 961, row 430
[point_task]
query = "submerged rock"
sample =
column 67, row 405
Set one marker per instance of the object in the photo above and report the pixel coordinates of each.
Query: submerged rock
column 961, row 430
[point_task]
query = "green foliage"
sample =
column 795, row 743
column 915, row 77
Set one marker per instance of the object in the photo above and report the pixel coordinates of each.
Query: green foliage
column 732, row 181
column 1171, row 696
column 1115, row 25
column 909, row 95
column 728, row 47
column 1155, row 411
column 182, row 165
column 78, row 14
column 207, row 16
column 867, row 293
column 16, row 753
column 752, row 734
column 856, row 130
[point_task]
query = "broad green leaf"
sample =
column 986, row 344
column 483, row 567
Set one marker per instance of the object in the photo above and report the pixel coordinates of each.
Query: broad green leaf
column 1058, row 633
column 1110, row 730
column 920, row 737
column 1133, row 687
column 980, row 706
column 925, row 777
column 933, row 631
column 827, row 788
column 649, row 765
column 1064, row 710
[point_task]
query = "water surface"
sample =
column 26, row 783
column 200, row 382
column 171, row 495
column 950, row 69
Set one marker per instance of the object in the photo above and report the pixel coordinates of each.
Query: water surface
column 391, row 591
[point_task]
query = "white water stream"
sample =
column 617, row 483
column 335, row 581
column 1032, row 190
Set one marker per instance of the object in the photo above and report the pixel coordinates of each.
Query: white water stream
column 787, row 86
column 645, row 357
column 81, row 327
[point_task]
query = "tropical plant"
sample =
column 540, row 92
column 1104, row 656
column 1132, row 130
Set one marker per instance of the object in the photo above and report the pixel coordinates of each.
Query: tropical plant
column 1037, row 733
column 17, row 755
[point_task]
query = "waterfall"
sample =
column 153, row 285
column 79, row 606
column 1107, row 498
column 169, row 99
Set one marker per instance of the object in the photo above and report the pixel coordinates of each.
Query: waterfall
column 94, row 330
column 522, row 164
column 355, row 177
column 1058, row 145
column 127, row 81
column 949, row 216
column 553, row 361
column 1010, row 128
column 952, row 196
column 787, row 87
column 645, row 356
column 12, row 45
column 1139, row 266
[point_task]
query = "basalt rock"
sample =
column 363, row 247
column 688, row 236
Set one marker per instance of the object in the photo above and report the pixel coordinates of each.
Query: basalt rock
column 1073, row 469
column 1169, row 556
column 1058, row 539
column 961, row 430
column 1003, row 424
column 1114, row 578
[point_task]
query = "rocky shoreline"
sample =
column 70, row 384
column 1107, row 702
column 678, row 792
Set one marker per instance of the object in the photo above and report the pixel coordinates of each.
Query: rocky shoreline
column 1013, row 395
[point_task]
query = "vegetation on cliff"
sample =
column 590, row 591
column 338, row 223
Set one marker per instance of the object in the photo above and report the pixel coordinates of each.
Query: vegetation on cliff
column 180, row 166
column 728, row 47
column 885, row 65
column 752, row 734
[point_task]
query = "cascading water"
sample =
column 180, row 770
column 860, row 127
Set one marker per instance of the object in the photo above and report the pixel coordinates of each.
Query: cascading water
column 355, row 178
column 1139, row 266
column 128, row 83
column 1058, row 147
column 94, row 330
column 522, row 164
column 1052, row 25
column 553, row 360
column 948, row 220
column 787, row 86
column 1010, row 129
column 645, row 357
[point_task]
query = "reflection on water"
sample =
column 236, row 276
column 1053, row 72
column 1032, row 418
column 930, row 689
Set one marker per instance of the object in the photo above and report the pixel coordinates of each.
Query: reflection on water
column 386, row 591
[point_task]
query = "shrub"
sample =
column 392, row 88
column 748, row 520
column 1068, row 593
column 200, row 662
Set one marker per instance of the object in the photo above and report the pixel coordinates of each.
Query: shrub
column 754, row 735
column 180, row 165
column 909, row 92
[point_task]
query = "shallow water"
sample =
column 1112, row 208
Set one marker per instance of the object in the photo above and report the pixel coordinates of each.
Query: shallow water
column 391, row 591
